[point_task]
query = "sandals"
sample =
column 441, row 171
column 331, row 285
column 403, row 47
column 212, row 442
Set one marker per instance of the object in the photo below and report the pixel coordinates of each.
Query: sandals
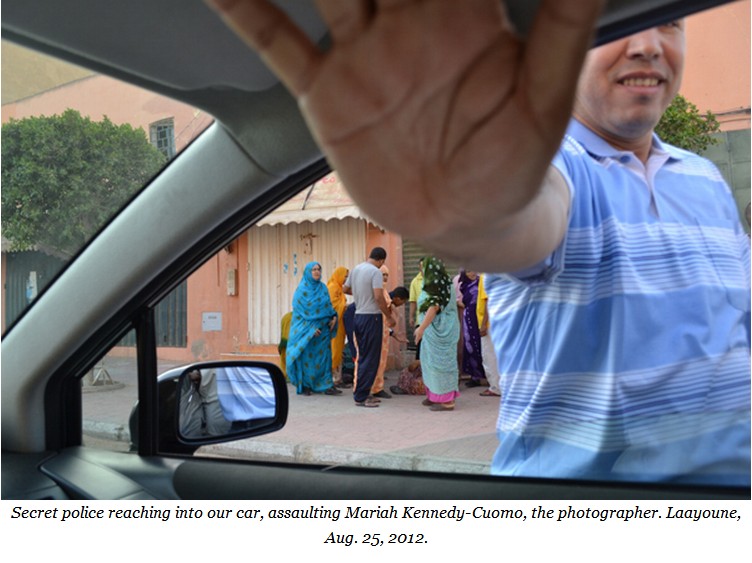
column 368, row 403
column 427, row 402
column 332, row 391
column 488, row 393
column 440, row 407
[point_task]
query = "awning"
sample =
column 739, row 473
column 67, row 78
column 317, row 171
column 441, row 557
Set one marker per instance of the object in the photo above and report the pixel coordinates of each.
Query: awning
column 325, row 200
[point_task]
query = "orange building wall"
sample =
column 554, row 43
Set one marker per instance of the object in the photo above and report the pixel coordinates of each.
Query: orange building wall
column 717, row 70
column 99, row 96
column 208, row 293
column 393, row 245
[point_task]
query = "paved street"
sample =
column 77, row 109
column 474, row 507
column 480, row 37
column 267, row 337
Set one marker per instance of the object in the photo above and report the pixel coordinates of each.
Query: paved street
column 331, row 430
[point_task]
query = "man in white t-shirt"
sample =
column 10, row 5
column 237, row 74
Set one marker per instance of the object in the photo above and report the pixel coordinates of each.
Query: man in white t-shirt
column 365, row 284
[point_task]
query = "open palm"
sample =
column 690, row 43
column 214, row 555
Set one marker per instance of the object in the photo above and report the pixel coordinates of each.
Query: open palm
column 437, row 117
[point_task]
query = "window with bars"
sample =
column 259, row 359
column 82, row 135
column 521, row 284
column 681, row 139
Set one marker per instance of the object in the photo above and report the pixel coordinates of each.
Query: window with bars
column 162, row 136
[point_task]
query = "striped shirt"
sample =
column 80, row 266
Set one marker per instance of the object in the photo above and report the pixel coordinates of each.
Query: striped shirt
column 627, row 354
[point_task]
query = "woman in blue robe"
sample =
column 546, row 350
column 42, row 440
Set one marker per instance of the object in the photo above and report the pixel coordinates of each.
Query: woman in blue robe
column 314, row 324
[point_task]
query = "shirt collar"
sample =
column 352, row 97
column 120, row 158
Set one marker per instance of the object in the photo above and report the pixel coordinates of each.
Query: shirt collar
column 598, row 147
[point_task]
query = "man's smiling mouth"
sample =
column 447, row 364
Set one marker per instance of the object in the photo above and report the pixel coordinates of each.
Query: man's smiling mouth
column 640, row 82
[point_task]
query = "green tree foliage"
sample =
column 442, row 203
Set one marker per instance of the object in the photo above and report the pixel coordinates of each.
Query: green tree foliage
column 682, row 125
column 64, row 176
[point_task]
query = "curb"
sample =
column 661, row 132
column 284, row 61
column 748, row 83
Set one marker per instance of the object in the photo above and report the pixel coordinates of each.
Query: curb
column 329, row 456
column 106, row 430
column 332, row 456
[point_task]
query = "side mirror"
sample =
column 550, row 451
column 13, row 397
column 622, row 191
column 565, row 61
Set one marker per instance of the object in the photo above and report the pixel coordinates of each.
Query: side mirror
column 222, row 401
column 212, row 402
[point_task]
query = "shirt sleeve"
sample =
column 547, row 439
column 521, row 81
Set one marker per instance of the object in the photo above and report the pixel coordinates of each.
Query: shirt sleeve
column 377, row 280
column 548, row 269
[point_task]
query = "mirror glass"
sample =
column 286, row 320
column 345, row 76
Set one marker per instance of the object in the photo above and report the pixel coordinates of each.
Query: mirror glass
column 215, row 401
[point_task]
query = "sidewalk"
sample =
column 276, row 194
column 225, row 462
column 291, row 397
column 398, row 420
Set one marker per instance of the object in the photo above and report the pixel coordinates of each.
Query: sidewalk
column 331, row 430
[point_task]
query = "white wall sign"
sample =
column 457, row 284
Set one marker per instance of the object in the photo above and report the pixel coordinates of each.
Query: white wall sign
column 211, row 322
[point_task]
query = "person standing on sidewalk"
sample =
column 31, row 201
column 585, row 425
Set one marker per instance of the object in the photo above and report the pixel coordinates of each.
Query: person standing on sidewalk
column 309, row 346
column 377, row 390
column 351, row 355
column 439, row 332
column 365, row 284
column 339, row 302
column 416, row 286
column 284, row 334
column 462, row 376
column 395, row 298
column 490, row 366
column 472, row 358
column 391, row 303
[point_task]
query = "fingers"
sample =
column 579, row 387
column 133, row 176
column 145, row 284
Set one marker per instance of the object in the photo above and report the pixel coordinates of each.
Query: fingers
column 561, row 35
column 346, row 19
column 285, row 48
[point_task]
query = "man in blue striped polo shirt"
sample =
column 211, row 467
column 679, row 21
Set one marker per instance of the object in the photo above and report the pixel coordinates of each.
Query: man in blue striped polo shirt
column 625, row 353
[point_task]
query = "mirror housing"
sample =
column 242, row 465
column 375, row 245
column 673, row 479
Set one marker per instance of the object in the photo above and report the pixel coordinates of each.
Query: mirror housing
column 213, row 402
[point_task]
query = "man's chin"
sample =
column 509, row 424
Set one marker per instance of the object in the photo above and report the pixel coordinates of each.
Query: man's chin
column 638, row 124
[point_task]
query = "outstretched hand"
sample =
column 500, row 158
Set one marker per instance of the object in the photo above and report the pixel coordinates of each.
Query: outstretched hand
column 438, row 118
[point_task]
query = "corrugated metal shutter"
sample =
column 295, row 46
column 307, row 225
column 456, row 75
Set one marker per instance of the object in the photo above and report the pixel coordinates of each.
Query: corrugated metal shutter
column 19, row 266
column 171, row 320
column 277, row 256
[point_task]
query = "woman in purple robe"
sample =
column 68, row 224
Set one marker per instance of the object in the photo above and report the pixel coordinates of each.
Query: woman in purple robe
column 472, row 359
